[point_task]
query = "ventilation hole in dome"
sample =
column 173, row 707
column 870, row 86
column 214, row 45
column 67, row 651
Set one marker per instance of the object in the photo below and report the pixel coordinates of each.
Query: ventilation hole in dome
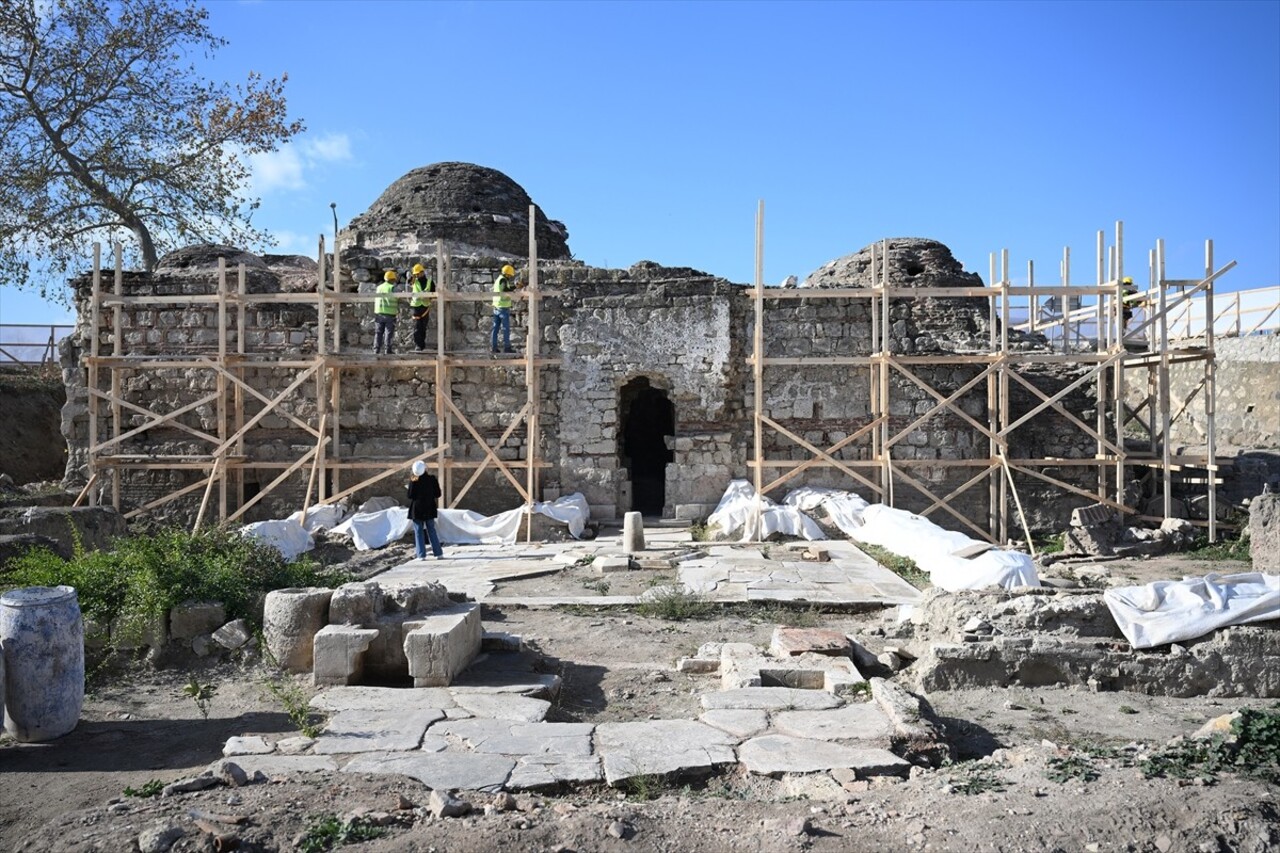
column 914, row 269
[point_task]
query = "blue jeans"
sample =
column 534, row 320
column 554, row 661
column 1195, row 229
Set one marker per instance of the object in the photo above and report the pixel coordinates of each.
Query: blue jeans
column 430, row 525
column 385, row 326
column 501, row 317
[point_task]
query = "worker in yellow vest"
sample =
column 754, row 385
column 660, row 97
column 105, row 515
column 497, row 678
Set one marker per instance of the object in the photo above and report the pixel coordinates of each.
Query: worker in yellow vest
column 420, row 306
column 502, row 285
column 384, row 313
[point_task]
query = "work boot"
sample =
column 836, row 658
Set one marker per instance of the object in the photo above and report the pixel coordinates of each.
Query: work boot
column 508, row 350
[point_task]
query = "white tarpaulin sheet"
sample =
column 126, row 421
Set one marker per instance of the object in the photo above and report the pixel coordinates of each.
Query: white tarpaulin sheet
column 287, row 536
column 369, row 530
column 933, row 550
column 1169, row 611
column 571, row 510
column 322, row 517
column 737, row 510
column 843, row 509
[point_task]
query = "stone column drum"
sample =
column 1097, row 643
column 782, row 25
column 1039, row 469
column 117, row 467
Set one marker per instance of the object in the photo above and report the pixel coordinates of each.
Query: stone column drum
column 290, row 620
column 632, row 533
column 43, row 638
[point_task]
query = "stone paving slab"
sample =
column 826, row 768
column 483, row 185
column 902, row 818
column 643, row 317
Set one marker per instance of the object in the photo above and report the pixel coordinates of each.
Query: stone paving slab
column 769, row 699
column 739, row 722
column 504, row 706
column 531, row 772
column 440, row 771
column 862, row 721
column 504, row 737
column 659, row 747
column 388, row 730
column 773, row 755
column 335, row 699
column 251, row 745
column 279, row 765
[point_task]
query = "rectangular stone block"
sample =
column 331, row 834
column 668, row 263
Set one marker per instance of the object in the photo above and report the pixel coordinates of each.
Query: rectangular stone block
column 606, row 565
column 697, row 666
column 443, row 644
column 339, row 654
column 193, row 618
column 498, row 641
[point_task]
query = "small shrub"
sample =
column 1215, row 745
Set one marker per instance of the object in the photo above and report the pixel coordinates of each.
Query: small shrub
column 1063, row 770
column 1223, row 549
column 150, row 789
column 675, row 604
column 201, row 694
column 703, row 532
column 644, row 787
column 328, row 831
column 600, row 587
column 292, row 698
column 1253, row 750
column 977, row 779
column 903, row 567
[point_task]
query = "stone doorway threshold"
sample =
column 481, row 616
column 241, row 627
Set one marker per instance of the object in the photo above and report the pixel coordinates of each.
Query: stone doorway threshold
column 720, row 572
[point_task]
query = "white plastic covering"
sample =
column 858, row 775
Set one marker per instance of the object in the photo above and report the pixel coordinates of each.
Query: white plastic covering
column 737, row 508
column 933, row 550
column 369, row 530
column 843, row 509
column 322, row 517
column 1169, row 611
column 286, row 536
column 571, row 510
column 377, row 529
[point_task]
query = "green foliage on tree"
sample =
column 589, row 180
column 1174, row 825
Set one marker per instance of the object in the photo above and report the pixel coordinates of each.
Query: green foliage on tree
column 108, row 130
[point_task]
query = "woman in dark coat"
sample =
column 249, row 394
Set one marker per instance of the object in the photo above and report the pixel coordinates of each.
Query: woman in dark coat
column 423, row 492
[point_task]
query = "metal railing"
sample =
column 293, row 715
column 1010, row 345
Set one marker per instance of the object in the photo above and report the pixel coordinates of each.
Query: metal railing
column 31, row 344
column 1238, row 314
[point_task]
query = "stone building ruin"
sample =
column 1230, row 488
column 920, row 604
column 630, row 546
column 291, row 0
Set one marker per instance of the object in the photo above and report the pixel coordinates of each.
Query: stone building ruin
column 227, row 386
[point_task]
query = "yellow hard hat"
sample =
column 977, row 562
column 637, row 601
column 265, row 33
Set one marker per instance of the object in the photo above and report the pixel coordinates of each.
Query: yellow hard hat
column 389, row 275
column 508, row 271
column 1127, row 280
column 419, row 269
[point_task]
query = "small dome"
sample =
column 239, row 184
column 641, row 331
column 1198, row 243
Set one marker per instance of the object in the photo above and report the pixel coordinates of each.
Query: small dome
column 913, row 262
column 466, row 205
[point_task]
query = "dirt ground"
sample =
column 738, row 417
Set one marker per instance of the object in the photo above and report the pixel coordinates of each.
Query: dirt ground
column 31, row 412
column 1005, row 793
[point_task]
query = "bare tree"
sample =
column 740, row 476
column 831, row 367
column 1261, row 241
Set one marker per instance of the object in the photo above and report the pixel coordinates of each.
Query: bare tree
column 106, row 128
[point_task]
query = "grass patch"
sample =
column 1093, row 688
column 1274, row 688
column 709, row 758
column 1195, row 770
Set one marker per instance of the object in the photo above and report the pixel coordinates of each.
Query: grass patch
column 1072, row 767
column 150, row 789
column 1223, row 549
column 1252, row 749
column 328, row 831
column 141, row 578
column 903, row 567
column 1051, row 544
column 644, row 787
column 772, row 612
column 976, row 779
column 600, row 586
column 675, row 604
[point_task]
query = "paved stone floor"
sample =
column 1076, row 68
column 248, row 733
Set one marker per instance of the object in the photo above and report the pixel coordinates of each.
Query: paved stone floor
column 488, row 731
column 727, row 573
column 482, row 738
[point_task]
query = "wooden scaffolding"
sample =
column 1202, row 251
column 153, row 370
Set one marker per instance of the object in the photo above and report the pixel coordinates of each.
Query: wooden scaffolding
column 1094, row 340
column 239, row 407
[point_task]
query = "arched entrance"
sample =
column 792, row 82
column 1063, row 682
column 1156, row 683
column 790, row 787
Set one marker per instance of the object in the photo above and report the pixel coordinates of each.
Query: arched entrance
column 647, row 417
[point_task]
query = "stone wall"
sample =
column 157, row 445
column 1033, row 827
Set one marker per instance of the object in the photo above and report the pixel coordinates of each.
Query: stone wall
column 623, row 345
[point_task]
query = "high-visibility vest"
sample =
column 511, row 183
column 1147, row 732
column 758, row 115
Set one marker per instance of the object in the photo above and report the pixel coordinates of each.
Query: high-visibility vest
column 385, row 304
column 501, row 286
column 421, row 285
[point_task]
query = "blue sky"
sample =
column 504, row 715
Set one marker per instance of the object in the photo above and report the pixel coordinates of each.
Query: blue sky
column 651, row 129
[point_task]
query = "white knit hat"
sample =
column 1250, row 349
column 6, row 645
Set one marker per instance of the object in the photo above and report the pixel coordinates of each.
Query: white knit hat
column 419, row 468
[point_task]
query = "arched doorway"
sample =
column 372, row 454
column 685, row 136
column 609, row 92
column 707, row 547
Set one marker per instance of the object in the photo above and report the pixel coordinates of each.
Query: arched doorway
column 647, row 417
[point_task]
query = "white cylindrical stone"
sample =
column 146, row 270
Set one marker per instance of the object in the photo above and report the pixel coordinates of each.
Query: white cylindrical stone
column 632, row 533
column 43, row 640
column 290, row 620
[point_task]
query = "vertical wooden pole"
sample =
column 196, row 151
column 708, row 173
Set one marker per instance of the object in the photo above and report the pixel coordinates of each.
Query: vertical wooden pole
column 442, row 369
column 1068, row 337
column 242, row 315
column 1211, row 394
column 1118, row 374
column 876, row 405
column 1100, row 398
column 532, row 344
column 994, row 510
column 95, row 339
column 117, row 349
column 1004, row 386
column 221, row 380
column 320, row 466
column 1166, row 425
column 757, row 374
column 886, row 353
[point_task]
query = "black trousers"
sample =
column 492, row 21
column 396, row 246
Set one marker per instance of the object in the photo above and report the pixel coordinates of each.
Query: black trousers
column 420, row 327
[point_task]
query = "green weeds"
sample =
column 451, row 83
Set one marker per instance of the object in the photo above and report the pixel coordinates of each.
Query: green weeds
column 201, row 693
column 903, row 567
column 150, row 789
column 329, row 831
column 675, row 604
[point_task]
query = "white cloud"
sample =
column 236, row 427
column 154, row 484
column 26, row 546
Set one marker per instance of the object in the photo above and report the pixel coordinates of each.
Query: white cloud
column 333, row 147
column 277, row 170
column 287, row 168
